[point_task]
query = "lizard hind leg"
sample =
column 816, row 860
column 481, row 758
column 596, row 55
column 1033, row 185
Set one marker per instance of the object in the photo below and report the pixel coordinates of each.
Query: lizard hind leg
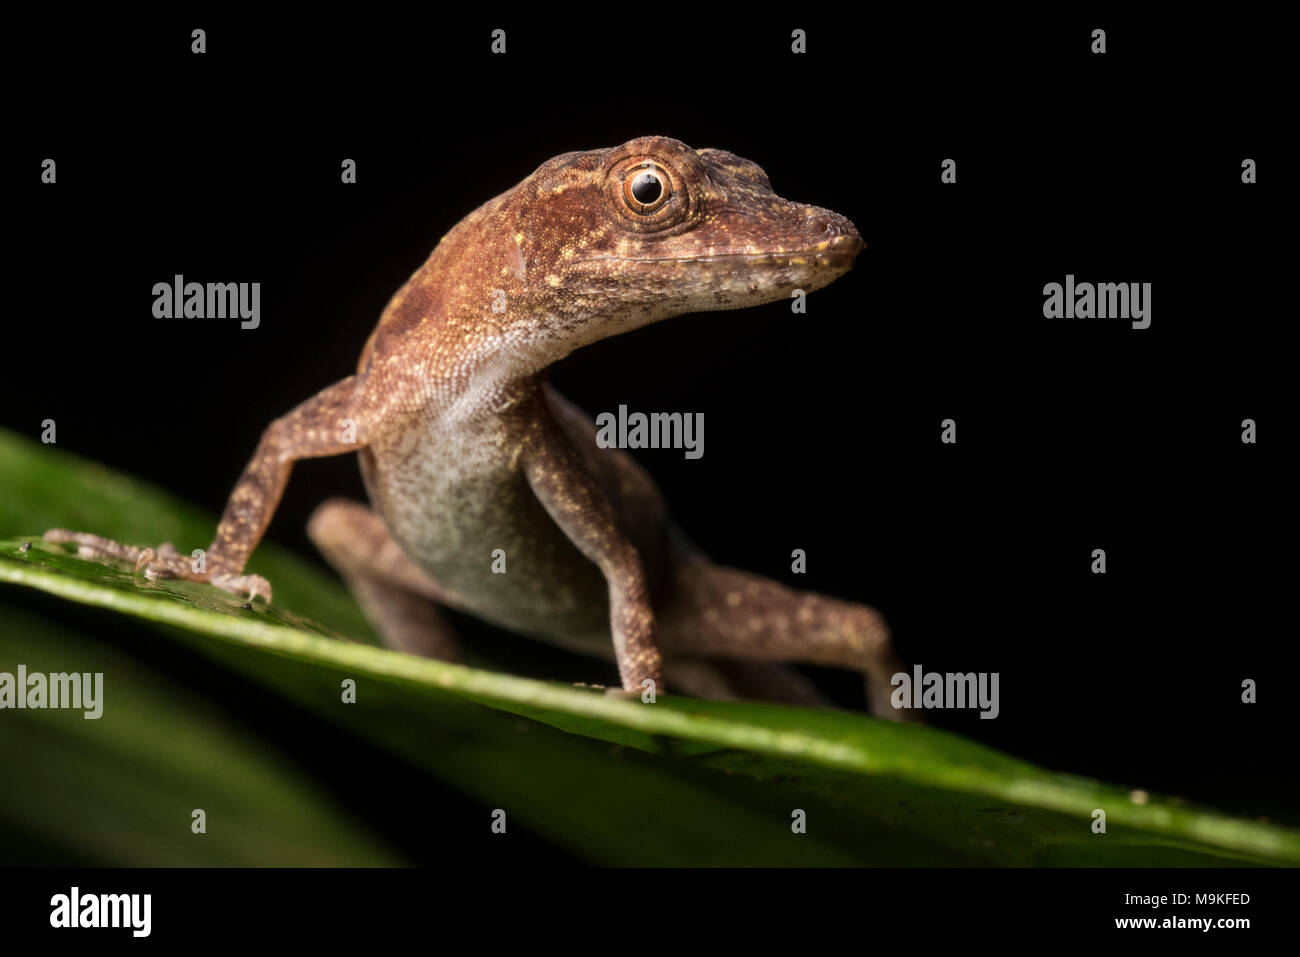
column 722, row 612
column 398, row 597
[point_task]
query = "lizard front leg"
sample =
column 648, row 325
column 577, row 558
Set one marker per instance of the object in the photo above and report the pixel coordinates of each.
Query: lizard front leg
column 577, row 505
column 330, row 423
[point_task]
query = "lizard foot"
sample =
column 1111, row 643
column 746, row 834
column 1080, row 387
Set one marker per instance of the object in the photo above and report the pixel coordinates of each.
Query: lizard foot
column 628, row 694
column 162, row 562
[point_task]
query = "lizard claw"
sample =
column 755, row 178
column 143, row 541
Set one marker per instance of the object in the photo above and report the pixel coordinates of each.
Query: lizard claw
column 253, row 586
column 162, row 562
column 626, row 694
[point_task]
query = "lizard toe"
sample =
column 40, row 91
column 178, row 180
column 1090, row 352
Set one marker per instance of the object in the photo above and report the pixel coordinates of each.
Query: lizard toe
column 249, row 586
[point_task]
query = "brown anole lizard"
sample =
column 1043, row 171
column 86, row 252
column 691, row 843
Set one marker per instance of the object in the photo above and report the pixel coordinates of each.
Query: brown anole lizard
column 468, row 454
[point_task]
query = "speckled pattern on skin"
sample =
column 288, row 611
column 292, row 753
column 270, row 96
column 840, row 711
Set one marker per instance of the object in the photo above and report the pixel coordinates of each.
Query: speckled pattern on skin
column 465, row 450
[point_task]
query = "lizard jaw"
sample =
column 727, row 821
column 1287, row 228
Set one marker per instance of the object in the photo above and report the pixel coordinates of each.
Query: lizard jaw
column 839, row 251
column 712, row 278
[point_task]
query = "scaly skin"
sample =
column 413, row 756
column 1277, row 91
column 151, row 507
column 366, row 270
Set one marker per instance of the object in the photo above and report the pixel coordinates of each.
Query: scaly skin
column 465, row 450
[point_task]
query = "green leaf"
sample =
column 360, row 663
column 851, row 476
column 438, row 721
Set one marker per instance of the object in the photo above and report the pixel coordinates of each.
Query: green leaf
column 679, row 781
column 120, row 788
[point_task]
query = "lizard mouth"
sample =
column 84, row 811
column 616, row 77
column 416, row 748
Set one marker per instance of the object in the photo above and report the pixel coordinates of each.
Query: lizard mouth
column 838, row 252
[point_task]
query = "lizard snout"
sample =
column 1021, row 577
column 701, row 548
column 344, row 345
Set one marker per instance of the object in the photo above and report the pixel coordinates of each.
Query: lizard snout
column 831, row 232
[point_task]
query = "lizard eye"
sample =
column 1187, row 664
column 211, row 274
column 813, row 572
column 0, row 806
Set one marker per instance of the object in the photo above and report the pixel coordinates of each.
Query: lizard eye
column 645, row 188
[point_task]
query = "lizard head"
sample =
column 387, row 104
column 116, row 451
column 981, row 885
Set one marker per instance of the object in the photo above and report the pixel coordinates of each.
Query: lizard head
column 605, row 241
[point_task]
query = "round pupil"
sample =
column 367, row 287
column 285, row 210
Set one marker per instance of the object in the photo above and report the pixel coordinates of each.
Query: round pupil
column 646, row 188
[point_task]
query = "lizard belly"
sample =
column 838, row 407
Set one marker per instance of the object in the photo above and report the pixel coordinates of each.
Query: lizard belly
column 463, row 511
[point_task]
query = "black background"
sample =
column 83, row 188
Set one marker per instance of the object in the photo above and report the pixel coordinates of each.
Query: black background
column 822, row 430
